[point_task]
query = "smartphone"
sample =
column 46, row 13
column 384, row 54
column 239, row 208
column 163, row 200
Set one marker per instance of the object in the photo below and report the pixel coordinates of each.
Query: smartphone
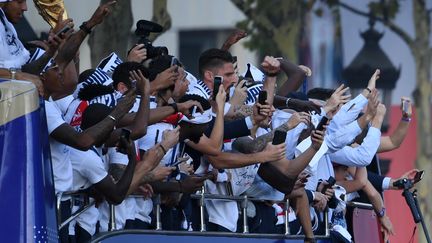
column 217, row 81
column 331, row 182
column 175, row 61
column 418, row 176
column 63, row 30
column 321, row 124
column 262, row 97
column 405, row 105
column 279, row 137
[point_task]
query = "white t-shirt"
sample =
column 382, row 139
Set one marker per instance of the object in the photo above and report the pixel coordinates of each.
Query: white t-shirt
column 123, row 211
column 88, row 168
column 154, row 135
column 60, row 156
column 12, row 52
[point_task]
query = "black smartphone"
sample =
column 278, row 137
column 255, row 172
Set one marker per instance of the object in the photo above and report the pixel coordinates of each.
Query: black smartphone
column 63, row 30
column 279, row 137
column 331, row 182
column 418, row 176
column 321, row 124
column 262, row 97
column 217, row 82
column 175, row 61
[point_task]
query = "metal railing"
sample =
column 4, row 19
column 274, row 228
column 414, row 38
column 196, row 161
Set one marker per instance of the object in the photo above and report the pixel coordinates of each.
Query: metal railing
column 202, row 196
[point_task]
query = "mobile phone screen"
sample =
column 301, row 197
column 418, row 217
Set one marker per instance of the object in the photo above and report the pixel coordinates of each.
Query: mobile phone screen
column 217, row 83
column 321, row 124
column 262, row 97
column 279, row 137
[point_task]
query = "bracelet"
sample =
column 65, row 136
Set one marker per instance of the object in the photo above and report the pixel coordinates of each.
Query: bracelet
column 381, row 213
column 112, row 118
column 163, row 149
column 287, row 101
column 406, row 119
column 84, row 28
column 370, row 91
column 174, row 106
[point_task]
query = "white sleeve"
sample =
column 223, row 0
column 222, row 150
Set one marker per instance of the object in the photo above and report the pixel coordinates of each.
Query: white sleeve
column 94, row 169
column 338, row 139
column 291, row 140
column 53, row 115
column 348, row 113
column 117, row 157
column 361, row 155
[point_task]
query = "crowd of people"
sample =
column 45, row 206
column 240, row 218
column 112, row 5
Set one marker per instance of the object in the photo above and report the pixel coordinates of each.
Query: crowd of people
column 145, row 126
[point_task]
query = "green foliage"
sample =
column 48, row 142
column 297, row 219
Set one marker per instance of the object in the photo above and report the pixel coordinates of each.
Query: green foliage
column 274, row 27
column 385, row 9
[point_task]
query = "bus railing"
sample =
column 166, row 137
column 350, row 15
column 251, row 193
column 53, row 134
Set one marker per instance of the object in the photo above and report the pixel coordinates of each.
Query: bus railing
column 202, row 196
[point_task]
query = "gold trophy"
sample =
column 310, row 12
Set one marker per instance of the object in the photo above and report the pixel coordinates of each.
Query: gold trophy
column 50, row 10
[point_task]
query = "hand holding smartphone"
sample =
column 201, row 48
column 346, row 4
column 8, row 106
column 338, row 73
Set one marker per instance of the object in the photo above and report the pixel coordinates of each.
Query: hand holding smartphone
column 217, row 82
column 321, row 124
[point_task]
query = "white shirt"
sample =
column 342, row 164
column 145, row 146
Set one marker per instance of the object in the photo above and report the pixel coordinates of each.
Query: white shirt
column 361, row 155
column 123, row 211
column 12, row 52
column 343, row 128
column 60, row 155
column 154, row 136
column 88, row 166
column 88, row 169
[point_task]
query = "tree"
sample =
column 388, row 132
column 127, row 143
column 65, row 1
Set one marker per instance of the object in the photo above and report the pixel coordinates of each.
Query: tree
column 114, row 34
column 275, row 29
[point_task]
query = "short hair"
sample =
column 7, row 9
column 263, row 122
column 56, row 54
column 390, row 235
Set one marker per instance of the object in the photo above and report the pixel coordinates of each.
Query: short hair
column 94, row 114
column 204, row 103
column 84, row 75
column 160, row 64
column 91, row 91
column 320, row 93
column 121, row 73
column 213, row 58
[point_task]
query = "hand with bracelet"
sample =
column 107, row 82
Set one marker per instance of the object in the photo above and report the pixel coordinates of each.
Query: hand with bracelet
column 98, row 16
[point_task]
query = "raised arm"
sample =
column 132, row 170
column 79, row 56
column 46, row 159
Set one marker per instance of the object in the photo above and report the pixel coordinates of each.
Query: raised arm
column 296, row 76
column 98, row 133
column 393, row 141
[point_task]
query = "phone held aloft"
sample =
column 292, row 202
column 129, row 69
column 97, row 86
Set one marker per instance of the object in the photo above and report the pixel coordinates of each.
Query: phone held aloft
column 217, row 82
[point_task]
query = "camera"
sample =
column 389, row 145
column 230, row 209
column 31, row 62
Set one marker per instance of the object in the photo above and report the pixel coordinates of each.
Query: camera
column 143, row 30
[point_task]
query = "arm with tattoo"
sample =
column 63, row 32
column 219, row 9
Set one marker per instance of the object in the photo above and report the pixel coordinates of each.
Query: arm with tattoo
column 247, row 145
column 237, row 112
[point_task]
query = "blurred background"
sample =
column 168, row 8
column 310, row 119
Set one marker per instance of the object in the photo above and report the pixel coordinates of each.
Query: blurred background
column 341, row 41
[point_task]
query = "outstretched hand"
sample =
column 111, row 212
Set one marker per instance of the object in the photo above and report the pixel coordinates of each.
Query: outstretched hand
column 100, row 13
column 338, row 97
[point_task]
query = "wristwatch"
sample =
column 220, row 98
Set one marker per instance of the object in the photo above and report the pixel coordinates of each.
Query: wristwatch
column 381, row 213
column 13, row 72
